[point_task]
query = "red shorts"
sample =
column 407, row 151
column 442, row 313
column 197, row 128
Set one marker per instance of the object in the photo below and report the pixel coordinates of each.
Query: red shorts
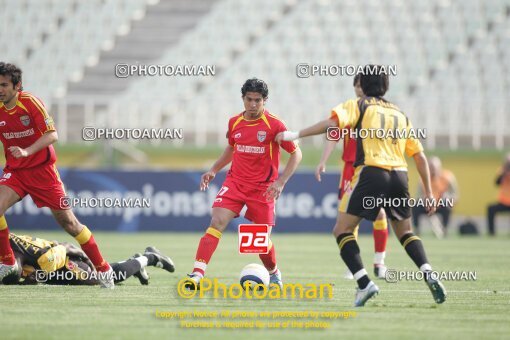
column 42, row 183
column 345, row 181
column 234, row 196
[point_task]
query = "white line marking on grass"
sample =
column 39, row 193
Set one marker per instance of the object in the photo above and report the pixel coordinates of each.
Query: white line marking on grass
column 448, row 291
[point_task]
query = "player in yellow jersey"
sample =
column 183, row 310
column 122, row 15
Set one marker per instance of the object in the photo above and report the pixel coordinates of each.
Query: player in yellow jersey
column 380, row 179
column 380, row 226
column 62, row 263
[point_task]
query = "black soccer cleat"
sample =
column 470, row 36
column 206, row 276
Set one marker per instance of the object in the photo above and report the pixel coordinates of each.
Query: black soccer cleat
column 163, row 261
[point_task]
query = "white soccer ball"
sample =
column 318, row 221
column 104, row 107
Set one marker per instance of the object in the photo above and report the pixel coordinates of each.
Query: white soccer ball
column 254, row 274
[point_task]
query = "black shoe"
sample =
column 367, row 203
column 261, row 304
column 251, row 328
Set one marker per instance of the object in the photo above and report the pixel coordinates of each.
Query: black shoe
column 163, row 261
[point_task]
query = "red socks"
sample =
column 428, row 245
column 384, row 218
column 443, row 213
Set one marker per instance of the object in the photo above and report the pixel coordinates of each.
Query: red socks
column 6, row 254
column 269, row 259
column 206, row 248
column 380, row 239
column 380, row 235
column 89, row 246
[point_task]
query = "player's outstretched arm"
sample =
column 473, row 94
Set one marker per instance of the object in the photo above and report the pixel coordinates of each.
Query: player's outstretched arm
column 321, row 168
column 44, row 141
column 423, row 169
column 224, row 159
column 316, row 129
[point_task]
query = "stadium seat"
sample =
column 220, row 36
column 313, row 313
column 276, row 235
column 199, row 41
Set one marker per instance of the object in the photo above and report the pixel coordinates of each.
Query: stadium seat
column 437, row 46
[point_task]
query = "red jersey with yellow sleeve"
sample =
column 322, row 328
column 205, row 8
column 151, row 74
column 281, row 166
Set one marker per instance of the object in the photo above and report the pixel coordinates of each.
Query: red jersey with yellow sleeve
column 22, row 126
column 256, row 156
column 349, row 157
column 349, row 153
column 371, row 113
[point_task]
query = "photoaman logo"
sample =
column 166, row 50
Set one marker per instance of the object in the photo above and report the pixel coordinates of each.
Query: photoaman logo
column 259, row 291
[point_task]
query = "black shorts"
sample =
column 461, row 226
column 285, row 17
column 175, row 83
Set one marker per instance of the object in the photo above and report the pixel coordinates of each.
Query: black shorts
column 374, row 188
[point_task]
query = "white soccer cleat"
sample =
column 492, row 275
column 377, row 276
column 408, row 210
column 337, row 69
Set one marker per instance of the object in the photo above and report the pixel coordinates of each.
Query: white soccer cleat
column 106, row 279
column 437, row 289
column 6, row 270
column 276, row 279
column 193, row 281
column 363, row 295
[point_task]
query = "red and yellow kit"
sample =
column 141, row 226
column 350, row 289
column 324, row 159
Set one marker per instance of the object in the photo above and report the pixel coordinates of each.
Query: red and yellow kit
column 22, row 126
column 255, row 164
column 256, row 154
column 35, row 175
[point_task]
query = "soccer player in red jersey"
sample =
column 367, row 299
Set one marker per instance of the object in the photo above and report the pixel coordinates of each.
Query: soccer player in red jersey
column 27, row 133
column 380, row 225
column 252, row 179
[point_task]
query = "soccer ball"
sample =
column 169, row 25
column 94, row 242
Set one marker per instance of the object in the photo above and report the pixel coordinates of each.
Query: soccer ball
column 254, row 274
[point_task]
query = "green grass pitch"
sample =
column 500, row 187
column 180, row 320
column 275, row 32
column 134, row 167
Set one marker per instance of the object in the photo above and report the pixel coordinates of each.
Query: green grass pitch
column 473, row 310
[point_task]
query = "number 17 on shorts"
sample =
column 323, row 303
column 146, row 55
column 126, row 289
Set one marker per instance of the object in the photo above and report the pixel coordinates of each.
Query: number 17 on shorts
column 253, row 239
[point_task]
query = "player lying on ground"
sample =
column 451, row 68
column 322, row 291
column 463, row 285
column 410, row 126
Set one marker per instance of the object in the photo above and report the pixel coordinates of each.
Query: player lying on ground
column 252, row 180
column 69, row 265
column 380, row 225
column 381, row 172
column 27, row 133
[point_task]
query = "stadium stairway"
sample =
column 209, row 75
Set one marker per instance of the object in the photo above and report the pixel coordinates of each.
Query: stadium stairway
column 160, row 28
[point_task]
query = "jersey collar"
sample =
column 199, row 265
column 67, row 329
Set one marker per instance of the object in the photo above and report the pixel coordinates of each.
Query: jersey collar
column 263, row 116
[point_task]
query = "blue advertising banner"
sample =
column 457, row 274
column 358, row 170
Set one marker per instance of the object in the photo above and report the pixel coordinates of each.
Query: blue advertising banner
column 172, row 201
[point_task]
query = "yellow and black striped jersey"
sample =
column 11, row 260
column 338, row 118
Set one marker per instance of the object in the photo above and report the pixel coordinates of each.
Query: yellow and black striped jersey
column 378, row 117
column 38, row 253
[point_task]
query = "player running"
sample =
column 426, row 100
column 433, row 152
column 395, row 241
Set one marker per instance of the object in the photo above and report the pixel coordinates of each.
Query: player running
column 71, row 266
column 252, row 179
column 381, row 172
column 27, row 133
column 380, row 225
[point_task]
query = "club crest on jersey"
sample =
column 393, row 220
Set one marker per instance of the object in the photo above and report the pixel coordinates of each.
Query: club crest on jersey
column 237, row 135
column 261, row 136
column 25, row 120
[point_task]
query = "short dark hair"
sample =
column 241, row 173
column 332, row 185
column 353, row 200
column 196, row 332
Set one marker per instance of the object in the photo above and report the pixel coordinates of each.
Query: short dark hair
column 11, row 70
column 356, row 79
column 255, row 85
column 374, row 81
